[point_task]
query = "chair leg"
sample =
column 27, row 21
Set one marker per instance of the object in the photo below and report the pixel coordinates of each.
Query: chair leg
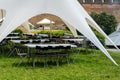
column 68, row 60
column 76, row 54
column 45, row 62
column 22, row 60
column 28, row 59
column 57, row 63
column 33, row 62
column 11, row 52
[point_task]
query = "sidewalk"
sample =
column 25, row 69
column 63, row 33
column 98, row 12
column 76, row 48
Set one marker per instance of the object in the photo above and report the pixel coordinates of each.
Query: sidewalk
column 114, row 50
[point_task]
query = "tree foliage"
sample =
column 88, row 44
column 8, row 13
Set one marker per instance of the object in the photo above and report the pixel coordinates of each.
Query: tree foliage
column 106, row 21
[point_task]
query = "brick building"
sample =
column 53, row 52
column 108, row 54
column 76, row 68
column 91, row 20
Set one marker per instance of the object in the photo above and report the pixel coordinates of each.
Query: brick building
column 108, row 6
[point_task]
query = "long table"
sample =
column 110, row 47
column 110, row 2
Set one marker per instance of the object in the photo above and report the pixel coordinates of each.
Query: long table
column 73, row 39
column 12, row 37
column 19, row 41
column 46, row 45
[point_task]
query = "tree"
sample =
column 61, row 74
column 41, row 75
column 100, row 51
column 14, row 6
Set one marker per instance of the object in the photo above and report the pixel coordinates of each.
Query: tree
column 106, row 21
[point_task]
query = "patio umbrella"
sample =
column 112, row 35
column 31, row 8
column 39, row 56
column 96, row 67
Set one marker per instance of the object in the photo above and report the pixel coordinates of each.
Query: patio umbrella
column 45, row 21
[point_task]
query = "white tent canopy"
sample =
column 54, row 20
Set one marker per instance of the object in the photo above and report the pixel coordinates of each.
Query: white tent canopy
column 2, row 14
column 2, row 17
column 45, row 21
column 19, row 11
column 118, row 27
column 26, row 26
column 115, row 37
column 72, row 29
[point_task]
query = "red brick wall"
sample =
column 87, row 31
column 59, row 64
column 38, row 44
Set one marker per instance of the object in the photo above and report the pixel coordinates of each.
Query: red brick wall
column 111, row 9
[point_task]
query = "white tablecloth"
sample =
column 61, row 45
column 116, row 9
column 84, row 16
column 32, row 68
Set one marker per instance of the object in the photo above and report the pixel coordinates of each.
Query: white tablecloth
column 46, row 45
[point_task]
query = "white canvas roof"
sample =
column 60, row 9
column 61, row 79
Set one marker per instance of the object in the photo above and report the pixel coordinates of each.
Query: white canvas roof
column 45, row 21
column 115, row 37
column 2, row 13
column 72, row 29
column 26, row 25
column 19, row 11
column 118, row 27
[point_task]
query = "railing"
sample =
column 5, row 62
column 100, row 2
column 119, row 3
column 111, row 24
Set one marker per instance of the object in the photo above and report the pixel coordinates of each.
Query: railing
column 99, row 1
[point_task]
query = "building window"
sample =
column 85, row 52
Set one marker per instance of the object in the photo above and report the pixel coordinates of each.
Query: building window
column 116, row 1
column 102, row 1
column 98, row 1
column 81, row 1
column 88, row 1
column 107, row 1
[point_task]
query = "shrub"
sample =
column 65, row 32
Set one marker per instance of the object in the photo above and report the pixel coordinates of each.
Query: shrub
column 53, row 32
column 106, row 21
column 100, row 37
column 18, row 31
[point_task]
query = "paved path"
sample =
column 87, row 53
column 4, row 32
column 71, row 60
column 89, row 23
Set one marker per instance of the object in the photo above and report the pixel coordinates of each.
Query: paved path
column 114, row 50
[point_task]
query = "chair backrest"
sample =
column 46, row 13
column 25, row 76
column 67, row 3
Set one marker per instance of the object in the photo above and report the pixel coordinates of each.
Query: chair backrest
column 47, row 41
column 16, row 38
column 21, row 49
column 3, row 43
column 24, row 42
column 67, row 47
column 38, row 47
column 71, row 41
column 36, row 41
column 50, row 47
column 60, row 47
column 41, row 48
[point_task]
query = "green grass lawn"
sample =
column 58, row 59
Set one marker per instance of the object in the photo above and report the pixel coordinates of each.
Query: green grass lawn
column 88, row 66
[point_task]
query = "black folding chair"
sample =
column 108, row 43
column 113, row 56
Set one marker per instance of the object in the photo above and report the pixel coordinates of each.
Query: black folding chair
column 25, row 42
column 36, row 41
column 52, row 55
column 22, row 52
column 39, row 54
column 64, row 53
